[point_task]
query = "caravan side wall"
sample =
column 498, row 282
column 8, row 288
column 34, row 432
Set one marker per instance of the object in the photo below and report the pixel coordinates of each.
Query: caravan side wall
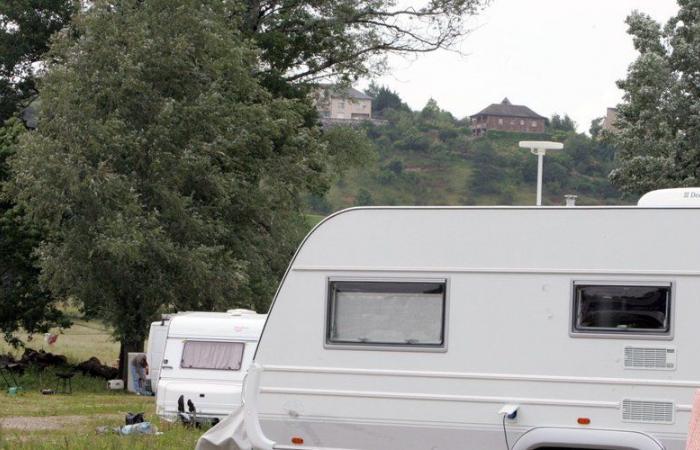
column 157, row 335
column 510, row 276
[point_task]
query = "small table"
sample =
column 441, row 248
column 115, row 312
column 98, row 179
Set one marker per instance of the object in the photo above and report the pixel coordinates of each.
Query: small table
column 64, row 380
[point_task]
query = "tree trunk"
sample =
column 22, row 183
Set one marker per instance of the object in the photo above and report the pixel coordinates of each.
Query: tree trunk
column 127, row 346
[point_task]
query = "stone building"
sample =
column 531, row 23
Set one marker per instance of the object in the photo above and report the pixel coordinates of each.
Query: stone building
column 506, row 116
column 337, row 103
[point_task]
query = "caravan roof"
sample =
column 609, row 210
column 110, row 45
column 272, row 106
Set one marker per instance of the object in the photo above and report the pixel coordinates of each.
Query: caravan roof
column 217, row 325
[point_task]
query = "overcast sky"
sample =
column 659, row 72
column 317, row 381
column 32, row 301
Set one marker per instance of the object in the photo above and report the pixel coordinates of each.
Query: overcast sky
column 555, row 56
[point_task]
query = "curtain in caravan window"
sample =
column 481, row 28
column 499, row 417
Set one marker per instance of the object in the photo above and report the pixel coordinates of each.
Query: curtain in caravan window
column 212, row 355
column 387, row 313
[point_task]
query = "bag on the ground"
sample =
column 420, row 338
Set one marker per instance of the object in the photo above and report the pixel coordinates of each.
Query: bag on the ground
column 138, row 428
column 133, row 418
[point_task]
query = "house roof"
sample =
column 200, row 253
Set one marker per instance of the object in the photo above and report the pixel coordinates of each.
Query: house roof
column 344, row 92
column 507, row 109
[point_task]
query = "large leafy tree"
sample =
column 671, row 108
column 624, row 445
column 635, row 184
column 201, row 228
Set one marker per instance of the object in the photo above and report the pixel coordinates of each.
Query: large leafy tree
column 25, row 30
column 163, row 170
column 303, row 40
column 23, row 303
column 658, row 125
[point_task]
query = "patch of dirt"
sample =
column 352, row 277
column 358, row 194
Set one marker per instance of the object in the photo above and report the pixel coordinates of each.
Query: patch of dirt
column 27, row 423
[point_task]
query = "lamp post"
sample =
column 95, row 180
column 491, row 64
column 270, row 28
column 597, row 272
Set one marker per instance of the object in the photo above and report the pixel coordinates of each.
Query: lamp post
column 540, row 148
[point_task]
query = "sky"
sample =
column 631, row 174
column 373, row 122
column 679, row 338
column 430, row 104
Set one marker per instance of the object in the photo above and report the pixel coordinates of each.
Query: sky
column 555, row 56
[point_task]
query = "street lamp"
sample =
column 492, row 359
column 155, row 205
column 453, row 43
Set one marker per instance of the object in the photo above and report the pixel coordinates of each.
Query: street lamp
column 540, row 148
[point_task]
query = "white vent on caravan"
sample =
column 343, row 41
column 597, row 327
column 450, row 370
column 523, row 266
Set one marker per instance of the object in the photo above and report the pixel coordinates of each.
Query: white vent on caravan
column 651, row 358
column 241, row 312
column 671, row 197
column 647, row 411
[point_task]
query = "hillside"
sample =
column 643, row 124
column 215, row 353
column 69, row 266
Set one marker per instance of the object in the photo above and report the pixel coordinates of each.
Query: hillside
column 431, row 158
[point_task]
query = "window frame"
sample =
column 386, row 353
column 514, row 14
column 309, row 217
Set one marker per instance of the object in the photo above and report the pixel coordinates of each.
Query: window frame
column 634, row 334
column 365, row 346
column 243, row 354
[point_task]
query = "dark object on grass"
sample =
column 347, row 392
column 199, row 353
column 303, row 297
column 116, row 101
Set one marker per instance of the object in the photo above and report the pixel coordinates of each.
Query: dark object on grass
column 16, row 368
column 95, row 368
column 187, row 419
column 7, row 359
column 132, row 418
column 64, row 380
column 181, row 404
column 48, row 391
column 42, row 359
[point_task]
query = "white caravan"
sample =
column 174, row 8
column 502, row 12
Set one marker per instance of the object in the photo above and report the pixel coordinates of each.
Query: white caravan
column 155, row 348
column 406, row 328
column 205, row 360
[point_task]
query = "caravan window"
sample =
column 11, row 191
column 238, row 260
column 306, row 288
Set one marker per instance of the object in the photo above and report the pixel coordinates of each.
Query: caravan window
column 639, row 309
column 370, row 313
column 212, row 355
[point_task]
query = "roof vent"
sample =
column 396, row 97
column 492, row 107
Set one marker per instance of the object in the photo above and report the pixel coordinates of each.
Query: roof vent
column 241, row 312
column 679, row 197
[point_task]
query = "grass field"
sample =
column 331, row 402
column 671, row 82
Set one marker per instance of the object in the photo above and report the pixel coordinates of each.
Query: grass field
column 69, row 421
column 35, row 421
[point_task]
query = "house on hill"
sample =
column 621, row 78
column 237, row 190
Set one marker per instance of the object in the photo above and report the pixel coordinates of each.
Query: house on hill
column 610, row 120
column 336, row 103
column 506, row 116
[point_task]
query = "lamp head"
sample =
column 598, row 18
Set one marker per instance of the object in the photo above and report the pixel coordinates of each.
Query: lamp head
column 540, row 147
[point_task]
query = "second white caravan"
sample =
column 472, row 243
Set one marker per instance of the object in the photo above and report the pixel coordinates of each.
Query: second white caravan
column 205, row 361
column 481, row 328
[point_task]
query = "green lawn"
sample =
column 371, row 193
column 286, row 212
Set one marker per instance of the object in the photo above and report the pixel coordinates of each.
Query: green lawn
column 35, row 421
column 60, row 421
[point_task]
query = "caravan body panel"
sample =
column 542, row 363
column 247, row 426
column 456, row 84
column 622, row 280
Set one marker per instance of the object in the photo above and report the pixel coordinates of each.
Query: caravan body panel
column 157, row 336
column 512, row 331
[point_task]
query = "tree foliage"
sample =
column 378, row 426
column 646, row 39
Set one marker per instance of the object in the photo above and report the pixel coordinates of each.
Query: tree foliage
column 658, row 136
column 23, row 303
column 384, row 99
column 25, row 29
column 559, row 123
column 166, row 175
column 307, row 40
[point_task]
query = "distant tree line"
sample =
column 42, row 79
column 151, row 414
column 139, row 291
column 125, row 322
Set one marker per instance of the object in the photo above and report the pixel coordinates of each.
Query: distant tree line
column 419, row 150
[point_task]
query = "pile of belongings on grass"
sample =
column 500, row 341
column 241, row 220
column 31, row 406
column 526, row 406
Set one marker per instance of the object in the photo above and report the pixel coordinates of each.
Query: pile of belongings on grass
column 42, row 360
column 134, row 424
column 31, row 357
column 94, row 367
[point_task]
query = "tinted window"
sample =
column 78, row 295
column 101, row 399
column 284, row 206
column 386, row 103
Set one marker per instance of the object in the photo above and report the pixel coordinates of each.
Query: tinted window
column 386, row 313
column 622, row 309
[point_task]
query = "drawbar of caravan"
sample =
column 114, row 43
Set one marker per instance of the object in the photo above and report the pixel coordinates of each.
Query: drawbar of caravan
column 415, row 328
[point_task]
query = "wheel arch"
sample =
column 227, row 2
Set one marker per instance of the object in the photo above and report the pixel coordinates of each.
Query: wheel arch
column 586, row 438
